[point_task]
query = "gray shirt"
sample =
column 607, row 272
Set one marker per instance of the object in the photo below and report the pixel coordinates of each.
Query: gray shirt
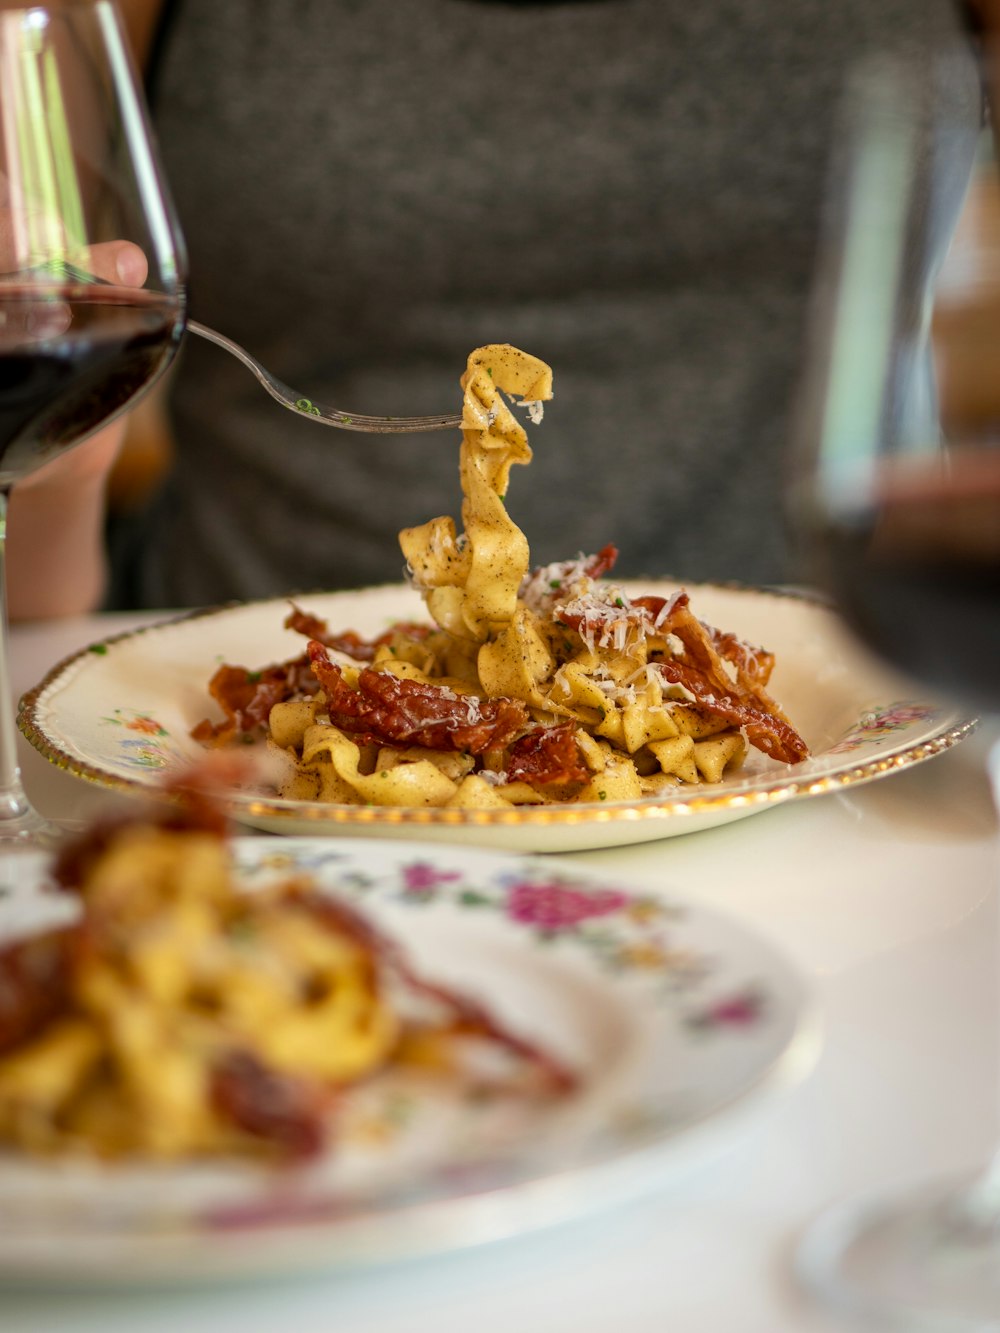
column 628, row 189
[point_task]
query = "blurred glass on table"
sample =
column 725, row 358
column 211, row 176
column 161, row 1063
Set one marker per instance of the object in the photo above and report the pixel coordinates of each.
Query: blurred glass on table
column 896, row 496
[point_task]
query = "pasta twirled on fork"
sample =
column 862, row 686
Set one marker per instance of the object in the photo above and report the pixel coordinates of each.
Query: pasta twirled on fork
column 526, row 687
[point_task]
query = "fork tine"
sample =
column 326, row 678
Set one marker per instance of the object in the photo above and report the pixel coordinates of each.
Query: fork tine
column 390, row 425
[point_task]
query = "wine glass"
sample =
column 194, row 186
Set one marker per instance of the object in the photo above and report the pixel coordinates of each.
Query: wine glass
column 81, row 336
column 896, row 494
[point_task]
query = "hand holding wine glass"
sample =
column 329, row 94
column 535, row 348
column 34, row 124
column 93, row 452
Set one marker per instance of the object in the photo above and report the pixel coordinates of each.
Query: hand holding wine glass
column 91, row 264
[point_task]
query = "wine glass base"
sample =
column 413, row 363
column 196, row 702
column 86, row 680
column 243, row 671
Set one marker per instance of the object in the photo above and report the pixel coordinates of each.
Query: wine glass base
column 927, row 1261
column 23, row 828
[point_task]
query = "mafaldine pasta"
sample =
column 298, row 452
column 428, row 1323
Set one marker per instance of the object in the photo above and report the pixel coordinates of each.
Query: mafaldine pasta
column 524, row 687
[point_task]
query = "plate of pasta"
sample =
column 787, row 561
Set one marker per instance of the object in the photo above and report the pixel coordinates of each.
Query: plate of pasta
column 491, row 701
column 229, row 1057
column 120, row 714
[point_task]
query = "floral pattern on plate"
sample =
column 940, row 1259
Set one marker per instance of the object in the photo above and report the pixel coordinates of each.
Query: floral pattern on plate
column 888, row 721
column 622, row 931
column 147, row 743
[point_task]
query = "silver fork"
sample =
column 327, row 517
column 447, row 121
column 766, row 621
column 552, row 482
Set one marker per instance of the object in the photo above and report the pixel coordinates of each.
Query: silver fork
column 327, row 416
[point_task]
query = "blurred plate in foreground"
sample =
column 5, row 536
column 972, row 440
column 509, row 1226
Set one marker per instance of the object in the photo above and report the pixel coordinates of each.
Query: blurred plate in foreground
column 679, row 1023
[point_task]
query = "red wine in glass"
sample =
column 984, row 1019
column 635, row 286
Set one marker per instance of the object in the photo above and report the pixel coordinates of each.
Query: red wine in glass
column 71, row 358
column 916, row 570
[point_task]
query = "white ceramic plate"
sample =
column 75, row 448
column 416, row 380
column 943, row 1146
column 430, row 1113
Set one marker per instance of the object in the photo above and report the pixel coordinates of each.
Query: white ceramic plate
column 119, row 714
column 677, row 1020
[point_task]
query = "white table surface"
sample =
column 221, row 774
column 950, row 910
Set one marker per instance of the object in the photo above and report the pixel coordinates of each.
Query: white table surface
column 884, row 894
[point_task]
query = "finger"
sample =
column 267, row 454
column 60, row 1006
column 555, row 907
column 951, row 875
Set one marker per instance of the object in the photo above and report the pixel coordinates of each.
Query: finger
column 119, row 262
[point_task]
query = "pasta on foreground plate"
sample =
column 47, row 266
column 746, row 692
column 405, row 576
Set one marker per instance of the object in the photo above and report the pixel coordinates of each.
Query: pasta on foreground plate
column 525, row 686
column 179, row 1015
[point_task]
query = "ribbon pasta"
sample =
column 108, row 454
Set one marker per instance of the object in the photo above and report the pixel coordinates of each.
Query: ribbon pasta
column 471, row 583
column 528, row 687
column 180, row 1013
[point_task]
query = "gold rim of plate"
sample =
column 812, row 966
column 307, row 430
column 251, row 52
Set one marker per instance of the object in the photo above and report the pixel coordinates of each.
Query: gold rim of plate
column 782, row 788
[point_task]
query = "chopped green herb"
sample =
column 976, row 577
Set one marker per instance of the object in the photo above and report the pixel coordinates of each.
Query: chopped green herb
column 555, row 583
column 253, row 677
column 603, row 795
column 98, row 648
column 619, row 602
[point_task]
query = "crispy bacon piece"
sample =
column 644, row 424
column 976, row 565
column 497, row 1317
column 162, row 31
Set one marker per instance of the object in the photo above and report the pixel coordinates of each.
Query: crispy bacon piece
column 288, row 1113
column 350, row 642
column 756, row 663
column 602, row 623
column 344, row 919
column 655, row 615
column 700, row 669
column 601, row 563
column 303, row 622
column 34, row 983
column 546, row 755
column 654, row 607
column 606, row 622
column 744, row 703
column 769, row 732
column 388, row 710
column 247, row 697
column 468, row 1017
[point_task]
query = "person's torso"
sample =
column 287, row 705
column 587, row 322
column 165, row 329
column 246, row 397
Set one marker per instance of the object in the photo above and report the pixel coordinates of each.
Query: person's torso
column 629, row 189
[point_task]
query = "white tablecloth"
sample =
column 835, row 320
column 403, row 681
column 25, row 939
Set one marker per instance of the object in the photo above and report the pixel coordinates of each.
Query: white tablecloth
column 885, row 895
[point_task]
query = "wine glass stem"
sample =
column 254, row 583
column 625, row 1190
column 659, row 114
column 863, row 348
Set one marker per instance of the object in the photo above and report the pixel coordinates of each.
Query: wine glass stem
column 981, row 1207
column 13, row 801
column 993, row 769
